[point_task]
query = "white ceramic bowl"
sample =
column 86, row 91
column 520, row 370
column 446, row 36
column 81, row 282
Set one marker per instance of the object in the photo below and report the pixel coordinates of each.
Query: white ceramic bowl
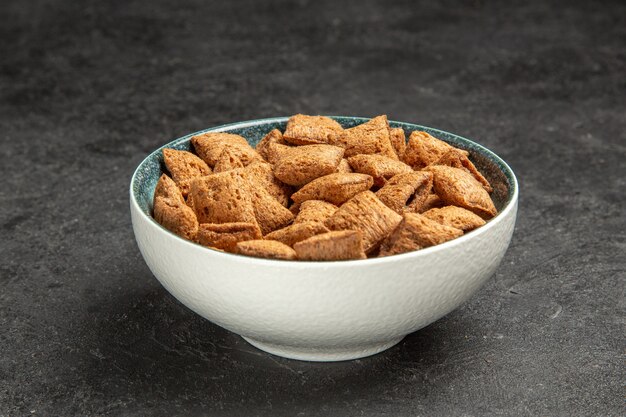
column 324, row 311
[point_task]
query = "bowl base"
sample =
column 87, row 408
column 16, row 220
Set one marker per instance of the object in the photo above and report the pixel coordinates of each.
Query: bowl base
column 323, row 354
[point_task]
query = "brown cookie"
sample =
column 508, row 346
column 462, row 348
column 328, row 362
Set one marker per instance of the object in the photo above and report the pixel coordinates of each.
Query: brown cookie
column 270, row 249
column 170, row 210
column 176, row 217
column 457, row 187
column 183, row 166
column 432, row 201
column 417, row 232
column 222, row 198
column 398, row 140
column 371, row 137
column 227, row 161
column 261, row 174
column 209, row 146
column 269, row 213
column 424, row 149
column 225, row 236
column 297, row 232
column 344, row 167
column 334, row 188
column 311, row 130
column 314, row 211
column 380, row 167
column 406, row 192
column 331, row 246
column 366, row 213
column 457, row 158
column 276, row 151
column 166, row 187
column 455, row 217
column 273, row 137
column 302, row 164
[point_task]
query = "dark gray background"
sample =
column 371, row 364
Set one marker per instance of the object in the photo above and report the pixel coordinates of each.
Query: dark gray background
column 87, row 89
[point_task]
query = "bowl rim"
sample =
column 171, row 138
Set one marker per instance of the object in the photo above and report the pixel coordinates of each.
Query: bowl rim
column 504, row 213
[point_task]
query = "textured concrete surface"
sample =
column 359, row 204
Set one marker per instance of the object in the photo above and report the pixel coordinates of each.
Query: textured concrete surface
column 87, row 89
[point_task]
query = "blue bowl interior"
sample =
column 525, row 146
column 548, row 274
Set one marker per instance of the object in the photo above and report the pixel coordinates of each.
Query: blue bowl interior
column 489, row 164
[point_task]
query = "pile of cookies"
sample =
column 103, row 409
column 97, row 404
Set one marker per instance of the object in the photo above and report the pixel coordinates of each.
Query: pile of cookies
column 319, row 192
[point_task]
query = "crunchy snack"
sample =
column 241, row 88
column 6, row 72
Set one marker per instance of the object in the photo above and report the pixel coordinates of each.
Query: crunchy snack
column 183, row 166
column 398, row 141
column 371, row 137
column 334, row 188
column 276, row 151
column 233, row 196
column 314, row 211
column 431, row 201
column 275, row 136
column 227, row 161
column 209, row 147
column 269, row 213
column 310, row 130
column 380, row 167
column 424, row 149
column 302, row 164
column 406, row 192
column 331, row 246
column 225, row 236
column 176, row 217
column 265, row 249
column 366, row 213
column 261, row 174
column 222, row 198
column 167, row 188
column 307, row 193
column 457, row 187
column 455, row 217
column 457, row 158
column 417, row 232
column 296, row 232
column 344, row 167
column 171, row 211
